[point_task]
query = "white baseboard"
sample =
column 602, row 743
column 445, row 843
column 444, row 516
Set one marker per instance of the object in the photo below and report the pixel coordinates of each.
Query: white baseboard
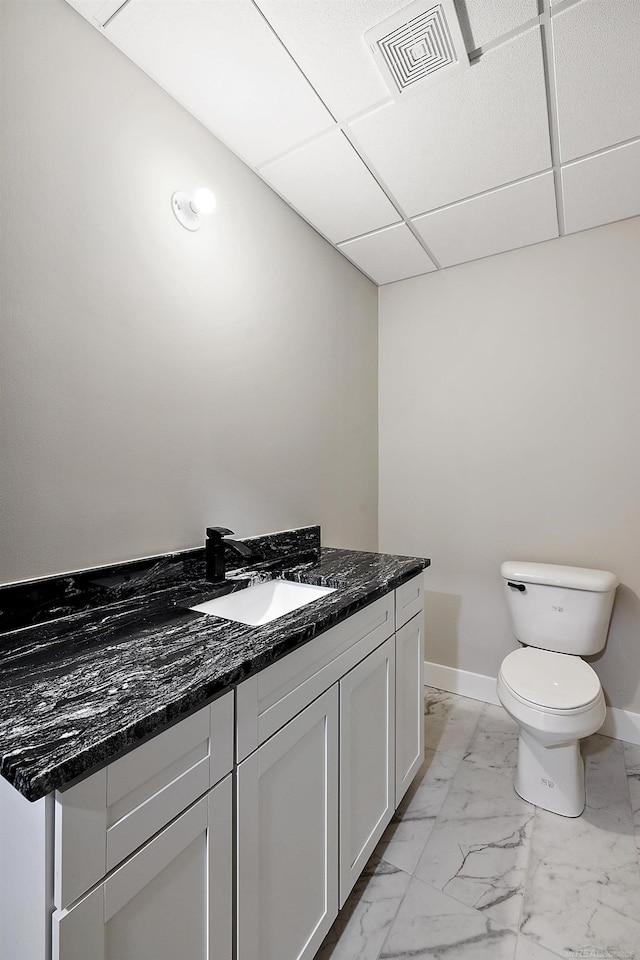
column 619, row 724
column 473, row 685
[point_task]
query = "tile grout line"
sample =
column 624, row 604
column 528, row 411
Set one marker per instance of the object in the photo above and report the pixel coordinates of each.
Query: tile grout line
column 552, row 109
column 391, row 922
column 413, row 876
column 527, row 875
column 631, row 776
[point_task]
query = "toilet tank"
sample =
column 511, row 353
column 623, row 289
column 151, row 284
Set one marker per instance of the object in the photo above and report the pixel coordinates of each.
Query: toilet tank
column 564, row 609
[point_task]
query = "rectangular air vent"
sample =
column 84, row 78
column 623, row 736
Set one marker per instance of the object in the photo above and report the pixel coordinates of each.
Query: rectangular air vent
column 420, row 44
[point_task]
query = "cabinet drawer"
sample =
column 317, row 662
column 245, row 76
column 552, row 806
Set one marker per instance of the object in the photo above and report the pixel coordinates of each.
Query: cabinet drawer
column 268, row 700
column 104, row 818
column 409, row 600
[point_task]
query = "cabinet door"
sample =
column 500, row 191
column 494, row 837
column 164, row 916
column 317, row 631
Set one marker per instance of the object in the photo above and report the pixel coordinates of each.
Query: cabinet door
column 172, row 899
column 367, row 711
column 409, row 704
column 288, row 839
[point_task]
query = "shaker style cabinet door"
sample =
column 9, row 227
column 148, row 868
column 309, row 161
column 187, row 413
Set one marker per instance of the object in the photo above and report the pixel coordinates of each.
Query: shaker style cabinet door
column 287, row 894
column 367, row 768
column 172, row 899
column 409, row 704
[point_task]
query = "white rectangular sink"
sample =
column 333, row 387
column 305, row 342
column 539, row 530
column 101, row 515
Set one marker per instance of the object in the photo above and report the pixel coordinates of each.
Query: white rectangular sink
column 263, row 602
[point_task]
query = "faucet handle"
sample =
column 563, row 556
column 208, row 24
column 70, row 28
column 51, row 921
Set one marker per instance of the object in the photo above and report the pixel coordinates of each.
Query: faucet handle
column 217, row 533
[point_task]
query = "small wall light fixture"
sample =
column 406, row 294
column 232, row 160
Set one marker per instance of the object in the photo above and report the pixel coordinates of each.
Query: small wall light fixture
column 188, row 210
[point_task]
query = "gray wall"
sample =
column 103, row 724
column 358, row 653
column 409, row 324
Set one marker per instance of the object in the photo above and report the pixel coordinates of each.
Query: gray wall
column 153, row 380
column 509, row 429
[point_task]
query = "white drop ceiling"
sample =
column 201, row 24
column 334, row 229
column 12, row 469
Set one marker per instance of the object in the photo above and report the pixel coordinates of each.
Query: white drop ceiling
column 539, row 137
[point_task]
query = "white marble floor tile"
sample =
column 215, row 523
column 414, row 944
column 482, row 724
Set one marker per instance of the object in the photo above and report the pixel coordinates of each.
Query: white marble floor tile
column 494, row 744
column 479, row 847
column 583, row 885
column 528, row 950
column 632, row 764
column 429, row 924
column 449, row 721
column 365, row 919
column 404, row 839
column 606, row 776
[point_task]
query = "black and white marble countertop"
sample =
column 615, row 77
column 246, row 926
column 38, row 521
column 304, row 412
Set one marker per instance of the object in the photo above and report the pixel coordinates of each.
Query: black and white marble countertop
column 79, row 689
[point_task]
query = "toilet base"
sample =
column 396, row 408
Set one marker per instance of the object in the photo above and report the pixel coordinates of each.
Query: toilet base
column 551, row 777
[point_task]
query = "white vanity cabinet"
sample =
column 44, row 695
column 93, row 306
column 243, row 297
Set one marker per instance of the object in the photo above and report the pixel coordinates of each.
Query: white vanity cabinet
column 239, row 832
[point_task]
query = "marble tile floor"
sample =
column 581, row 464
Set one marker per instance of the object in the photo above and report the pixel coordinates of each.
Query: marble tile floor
column 469, row 871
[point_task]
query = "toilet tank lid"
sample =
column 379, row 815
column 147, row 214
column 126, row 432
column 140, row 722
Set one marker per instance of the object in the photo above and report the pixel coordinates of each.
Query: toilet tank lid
column 553, row 574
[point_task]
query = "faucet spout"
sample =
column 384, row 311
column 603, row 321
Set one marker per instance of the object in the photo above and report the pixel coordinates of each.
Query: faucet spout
column 217, row 540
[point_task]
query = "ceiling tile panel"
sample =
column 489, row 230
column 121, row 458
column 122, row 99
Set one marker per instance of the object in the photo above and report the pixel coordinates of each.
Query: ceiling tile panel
column 328, row 44
column 481, row 129
column 504, row 219
column 483, row 21
column 327, row 182
column 221, row 61
column 602, row 189
column 597, row 68
column 388, row 255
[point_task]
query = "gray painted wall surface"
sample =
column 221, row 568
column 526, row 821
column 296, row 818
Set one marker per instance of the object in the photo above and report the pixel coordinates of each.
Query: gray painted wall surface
column 509, row 426
column 155, row 381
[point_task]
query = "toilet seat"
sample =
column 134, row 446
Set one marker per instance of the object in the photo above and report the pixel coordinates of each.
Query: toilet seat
column 553, row 682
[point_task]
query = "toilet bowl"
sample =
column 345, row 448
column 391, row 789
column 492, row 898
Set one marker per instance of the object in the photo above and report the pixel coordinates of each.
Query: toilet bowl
column 556, row 700
column 558, row 614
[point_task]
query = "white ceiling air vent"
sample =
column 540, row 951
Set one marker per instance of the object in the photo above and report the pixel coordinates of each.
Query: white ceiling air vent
column 417, row 46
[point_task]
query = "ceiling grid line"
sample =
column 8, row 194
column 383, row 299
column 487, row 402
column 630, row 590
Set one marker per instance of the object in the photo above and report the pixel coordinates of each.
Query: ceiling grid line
column 484, row 193
column 600, row 152
column 563, row 5
column 288, row 53
column 389, row 194
column 552, row 107
column 299, row 146
column 475, row 55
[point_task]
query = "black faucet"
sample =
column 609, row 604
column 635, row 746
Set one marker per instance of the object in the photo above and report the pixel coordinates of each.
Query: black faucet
column 214, row 552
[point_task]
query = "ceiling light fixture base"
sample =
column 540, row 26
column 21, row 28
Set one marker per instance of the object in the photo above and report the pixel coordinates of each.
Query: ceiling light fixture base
column 184, row 211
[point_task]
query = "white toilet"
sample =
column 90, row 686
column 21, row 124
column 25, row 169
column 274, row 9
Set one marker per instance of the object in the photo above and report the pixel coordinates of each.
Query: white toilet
column 559, row 614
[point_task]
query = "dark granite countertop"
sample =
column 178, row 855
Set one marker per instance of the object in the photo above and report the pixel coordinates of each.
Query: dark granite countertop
column 80, row 690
